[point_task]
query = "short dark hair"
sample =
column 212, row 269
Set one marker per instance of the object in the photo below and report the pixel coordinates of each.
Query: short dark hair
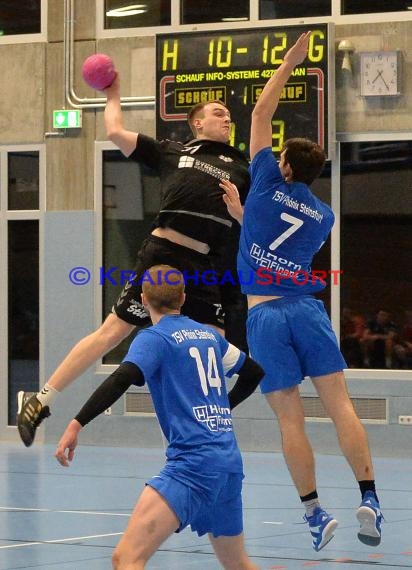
column 198, row 110
column 163, row 286
column 306, row 159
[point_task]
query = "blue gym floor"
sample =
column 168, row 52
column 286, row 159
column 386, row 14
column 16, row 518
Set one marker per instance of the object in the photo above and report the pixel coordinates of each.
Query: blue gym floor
column 71, row 518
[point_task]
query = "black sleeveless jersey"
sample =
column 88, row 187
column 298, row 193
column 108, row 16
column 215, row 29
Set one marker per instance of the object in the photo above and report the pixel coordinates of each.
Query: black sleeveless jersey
column 191, row 199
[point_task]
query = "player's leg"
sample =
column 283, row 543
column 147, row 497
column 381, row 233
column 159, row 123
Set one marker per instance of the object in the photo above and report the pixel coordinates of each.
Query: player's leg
column 274, row 321
column 298, row 454
column 354, row 444
column 272, row 345
column 151, row 523
column 222, row 519
column 322, row 360
column 32, row 409
column 231, row 553
column 288, row 409
column 353, row 440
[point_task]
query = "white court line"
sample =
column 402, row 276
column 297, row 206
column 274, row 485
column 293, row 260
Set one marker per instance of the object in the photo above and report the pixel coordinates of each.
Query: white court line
column 59, row 540
column 66, row 512
column 271, row 522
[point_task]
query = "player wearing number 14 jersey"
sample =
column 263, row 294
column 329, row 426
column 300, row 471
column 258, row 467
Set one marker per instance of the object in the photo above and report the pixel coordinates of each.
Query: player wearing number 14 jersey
column 289, row 332
column 184, row 364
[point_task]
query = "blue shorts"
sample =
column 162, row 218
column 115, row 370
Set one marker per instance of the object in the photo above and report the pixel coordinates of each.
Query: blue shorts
column 291, row 338
column 208, row 502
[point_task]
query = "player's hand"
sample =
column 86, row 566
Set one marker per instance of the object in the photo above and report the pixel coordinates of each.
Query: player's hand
column 298, row 52
column 65, row 448
column 232, row 200
column 114, row 88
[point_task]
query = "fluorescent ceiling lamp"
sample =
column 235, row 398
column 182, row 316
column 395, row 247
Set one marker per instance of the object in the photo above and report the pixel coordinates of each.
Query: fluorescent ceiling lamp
column 131, row 10
column 241, row 19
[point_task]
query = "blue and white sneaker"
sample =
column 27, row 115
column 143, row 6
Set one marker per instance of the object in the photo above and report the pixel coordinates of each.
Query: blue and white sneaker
column 321, row 526
column 370, row 518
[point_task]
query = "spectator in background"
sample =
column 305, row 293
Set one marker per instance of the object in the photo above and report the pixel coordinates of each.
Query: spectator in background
column 403, row 347
column 380, row 336
column 352, row 337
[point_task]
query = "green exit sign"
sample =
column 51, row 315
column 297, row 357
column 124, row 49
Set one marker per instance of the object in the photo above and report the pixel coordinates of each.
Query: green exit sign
column 67, row 119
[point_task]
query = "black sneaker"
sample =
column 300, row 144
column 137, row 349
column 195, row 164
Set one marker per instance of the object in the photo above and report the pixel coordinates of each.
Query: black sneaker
column 30, row 414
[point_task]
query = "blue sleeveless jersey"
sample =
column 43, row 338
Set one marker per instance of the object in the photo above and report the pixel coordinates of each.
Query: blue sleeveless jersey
column 284, row 225
column 184, row 364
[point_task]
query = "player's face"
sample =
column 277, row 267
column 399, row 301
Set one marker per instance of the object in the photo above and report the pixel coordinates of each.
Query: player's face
column 215, row 123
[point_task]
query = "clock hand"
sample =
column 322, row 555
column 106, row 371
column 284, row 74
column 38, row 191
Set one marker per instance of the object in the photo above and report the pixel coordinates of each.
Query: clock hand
column 383, row 79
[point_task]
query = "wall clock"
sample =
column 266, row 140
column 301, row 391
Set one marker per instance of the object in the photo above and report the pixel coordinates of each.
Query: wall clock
column 380, row 73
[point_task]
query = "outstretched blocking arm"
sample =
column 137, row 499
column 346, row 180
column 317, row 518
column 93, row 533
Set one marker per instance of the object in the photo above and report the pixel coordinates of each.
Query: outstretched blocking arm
column 261, row 128
column 113, row 118
column 102, row 398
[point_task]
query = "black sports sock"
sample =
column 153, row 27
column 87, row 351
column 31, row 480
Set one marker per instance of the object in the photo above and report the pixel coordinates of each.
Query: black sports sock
column 310, row 497
column 368, row 485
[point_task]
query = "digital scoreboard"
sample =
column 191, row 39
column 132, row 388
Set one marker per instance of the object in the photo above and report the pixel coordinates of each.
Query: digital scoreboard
column 233, row 66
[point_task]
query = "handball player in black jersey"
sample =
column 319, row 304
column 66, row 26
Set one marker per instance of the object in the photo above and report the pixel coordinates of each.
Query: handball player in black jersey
column 193, row 232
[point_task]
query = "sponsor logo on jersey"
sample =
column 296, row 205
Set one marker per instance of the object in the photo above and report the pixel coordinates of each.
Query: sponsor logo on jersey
column 190, row 162
column 186, row 162
column 215, row 417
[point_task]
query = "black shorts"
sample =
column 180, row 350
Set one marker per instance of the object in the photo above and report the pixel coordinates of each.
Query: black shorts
column 203, row 300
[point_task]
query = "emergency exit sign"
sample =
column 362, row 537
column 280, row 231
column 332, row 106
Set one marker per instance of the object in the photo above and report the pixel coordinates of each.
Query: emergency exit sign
column 67, row 119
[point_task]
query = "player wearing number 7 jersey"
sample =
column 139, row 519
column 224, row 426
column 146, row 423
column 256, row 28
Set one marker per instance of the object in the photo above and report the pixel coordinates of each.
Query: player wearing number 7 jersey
column 289, row 331
column 184, row 364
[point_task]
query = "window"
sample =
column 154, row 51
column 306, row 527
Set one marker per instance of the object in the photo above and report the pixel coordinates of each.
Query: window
column 23, row 181
column 206, row 11
column 23, row 312
column 372, row 6
column 271, row 9
column 146, row 13
column 376, row 237
column 19, row 265
column 22, row 17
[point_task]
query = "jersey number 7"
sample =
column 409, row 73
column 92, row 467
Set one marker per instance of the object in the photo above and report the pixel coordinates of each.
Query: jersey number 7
column 296, row 223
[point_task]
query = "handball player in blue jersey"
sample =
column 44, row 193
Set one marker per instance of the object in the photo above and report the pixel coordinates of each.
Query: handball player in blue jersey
column 289, row 332
column 184, row 364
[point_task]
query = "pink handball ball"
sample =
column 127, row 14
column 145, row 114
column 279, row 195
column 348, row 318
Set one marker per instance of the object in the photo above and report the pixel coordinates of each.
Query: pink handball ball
column 98, row 71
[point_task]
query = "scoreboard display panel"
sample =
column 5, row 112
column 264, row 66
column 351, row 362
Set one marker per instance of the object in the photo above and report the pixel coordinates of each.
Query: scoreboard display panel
column 233, row 66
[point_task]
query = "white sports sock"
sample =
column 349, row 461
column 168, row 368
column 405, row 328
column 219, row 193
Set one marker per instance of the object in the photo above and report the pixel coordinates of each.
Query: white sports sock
column 47, row 394
column 310, row 506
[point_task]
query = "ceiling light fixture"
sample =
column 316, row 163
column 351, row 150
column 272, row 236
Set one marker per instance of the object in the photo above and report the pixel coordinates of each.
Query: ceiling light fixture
column 240, row 19
column 131, row 10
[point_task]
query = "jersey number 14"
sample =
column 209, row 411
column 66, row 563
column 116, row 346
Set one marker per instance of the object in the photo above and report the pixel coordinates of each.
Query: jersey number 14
column 209, row 377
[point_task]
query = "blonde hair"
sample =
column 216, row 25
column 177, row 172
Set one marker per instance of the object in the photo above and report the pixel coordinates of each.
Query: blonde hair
column 163, row 287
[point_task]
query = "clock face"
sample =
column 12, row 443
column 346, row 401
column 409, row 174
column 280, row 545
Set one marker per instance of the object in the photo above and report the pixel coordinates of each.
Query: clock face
column 379, row 73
